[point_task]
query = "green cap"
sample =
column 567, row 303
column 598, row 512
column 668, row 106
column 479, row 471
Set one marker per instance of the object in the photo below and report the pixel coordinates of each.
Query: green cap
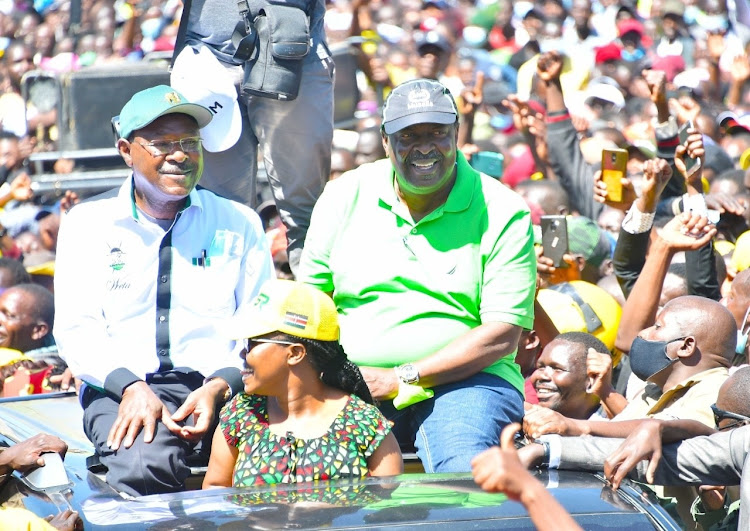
column 148, row 105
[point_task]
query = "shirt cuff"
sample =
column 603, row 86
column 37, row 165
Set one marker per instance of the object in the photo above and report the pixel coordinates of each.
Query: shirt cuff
column 637, row 222
column 232, row 376
column 118, row 380
column 695, row 203
column 555, row 449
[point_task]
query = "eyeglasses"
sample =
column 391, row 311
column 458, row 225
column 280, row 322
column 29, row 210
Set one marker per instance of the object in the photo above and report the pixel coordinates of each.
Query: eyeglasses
column 186, row 145
column 250, row 342
column 720, row 414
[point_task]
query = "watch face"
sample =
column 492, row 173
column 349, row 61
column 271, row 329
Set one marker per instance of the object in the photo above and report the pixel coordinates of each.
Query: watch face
column 408, row 373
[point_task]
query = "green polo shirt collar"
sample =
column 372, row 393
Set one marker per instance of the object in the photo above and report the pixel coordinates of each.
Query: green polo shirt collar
column 458, row 200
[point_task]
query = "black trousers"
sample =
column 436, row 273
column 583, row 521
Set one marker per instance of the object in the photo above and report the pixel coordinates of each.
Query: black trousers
column 159, row 466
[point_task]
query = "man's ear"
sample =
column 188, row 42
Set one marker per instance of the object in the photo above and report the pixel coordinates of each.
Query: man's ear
column 123, row 146
column 687, row 348
column 532, row 340
column 40, row 330
column 297, row 353
column 580, row 261
column 589, row 384
column 384, row 139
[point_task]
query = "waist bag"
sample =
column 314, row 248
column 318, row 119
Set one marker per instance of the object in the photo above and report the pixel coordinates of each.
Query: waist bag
column 281, row 40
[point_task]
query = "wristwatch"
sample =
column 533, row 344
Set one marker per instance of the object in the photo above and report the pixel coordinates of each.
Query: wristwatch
column 407, row 373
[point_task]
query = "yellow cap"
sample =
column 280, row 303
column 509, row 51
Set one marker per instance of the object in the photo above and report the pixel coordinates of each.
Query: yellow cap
column 9, row 356
column 745, row 159
column 741, row 255
column 568, row 316
column 291, row 308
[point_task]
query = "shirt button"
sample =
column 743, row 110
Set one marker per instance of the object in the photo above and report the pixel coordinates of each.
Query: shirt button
column 162, row 318
column 413, row 231
column 162, row 352
column 164, row 278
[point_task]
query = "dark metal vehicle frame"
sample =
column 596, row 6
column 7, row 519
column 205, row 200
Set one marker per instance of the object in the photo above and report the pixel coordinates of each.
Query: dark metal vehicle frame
column 436, row 501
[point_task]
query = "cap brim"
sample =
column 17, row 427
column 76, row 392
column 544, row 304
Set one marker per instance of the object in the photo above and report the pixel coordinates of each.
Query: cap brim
column 250, row 324
column 202, row 115
column 443, row 118
column 225, row 127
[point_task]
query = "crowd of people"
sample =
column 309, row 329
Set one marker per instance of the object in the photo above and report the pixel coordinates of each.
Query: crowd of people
column 420, row 283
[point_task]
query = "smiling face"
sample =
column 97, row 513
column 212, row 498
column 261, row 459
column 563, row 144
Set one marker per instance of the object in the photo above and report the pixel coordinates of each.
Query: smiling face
column 560, row 379
column 163, row 178
column 423, row 157
column 265, row 367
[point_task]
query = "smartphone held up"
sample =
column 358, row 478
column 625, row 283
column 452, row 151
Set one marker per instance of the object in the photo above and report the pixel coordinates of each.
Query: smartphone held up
column 614, row 168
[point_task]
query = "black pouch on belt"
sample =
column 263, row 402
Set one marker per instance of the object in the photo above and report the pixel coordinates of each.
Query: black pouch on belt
column 283, row 40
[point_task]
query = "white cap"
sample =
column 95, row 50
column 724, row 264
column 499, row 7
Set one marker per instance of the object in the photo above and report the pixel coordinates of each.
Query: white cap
column 606, row 92
column 199, row 76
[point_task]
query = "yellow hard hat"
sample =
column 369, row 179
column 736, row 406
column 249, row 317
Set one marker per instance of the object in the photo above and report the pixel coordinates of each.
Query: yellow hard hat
column 723, row 247
column 580, row 306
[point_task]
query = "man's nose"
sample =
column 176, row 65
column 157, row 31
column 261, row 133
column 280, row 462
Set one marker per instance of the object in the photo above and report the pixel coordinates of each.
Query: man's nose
column 177, row 154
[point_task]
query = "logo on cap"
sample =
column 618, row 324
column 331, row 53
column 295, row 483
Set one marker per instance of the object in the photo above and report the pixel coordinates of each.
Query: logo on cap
column 261, row 300
column 296, row 320
column 172, row 97
column 419, row 98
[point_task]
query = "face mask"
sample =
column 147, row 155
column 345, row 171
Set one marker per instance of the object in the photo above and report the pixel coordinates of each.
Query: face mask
column 650, row 357
column 635, row 55
column 742, row 337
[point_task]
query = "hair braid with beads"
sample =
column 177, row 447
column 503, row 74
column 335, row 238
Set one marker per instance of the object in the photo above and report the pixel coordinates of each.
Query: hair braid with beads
column 335, row 369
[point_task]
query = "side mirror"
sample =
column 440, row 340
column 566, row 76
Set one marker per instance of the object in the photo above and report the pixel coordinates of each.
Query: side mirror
column 50, row 478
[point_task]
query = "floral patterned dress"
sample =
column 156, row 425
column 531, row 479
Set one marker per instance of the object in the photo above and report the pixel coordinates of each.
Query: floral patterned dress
column 266, row 458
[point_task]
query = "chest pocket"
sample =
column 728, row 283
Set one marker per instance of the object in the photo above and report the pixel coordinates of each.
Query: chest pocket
column 207, row 289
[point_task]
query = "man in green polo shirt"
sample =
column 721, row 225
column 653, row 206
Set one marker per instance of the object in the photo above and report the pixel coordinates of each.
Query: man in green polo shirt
column 432, row 269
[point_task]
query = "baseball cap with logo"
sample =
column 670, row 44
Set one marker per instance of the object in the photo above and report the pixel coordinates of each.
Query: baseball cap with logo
column 152, row 103
column 289, row 307
column 417, row 102
column 202, row 79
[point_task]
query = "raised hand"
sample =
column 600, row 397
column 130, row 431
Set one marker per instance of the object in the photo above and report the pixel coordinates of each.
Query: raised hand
column 628, row 193
column 549, row 66
column 656, row 175
column 687, row 232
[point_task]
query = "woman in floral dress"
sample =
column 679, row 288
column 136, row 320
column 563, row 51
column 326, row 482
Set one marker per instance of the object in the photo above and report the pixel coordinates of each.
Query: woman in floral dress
column 306, row 413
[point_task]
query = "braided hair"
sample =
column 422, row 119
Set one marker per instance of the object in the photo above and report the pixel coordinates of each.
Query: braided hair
column 331, row 362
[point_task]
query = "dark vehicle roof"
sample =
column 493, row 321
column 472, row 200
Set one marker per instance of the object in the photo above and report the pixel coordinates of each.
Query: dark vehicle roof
column 437, row 501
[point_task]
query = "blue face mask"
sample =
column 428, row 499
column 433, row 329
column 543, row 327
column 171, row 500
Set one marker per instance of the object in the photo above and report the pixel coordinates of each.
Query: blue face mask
column 635, row 55
column 742, row 336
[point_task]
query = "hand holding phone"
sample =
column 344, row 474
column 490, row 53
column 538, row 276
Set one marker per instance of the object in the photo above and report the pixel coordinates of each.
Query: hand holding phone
column 614, row 168
column 691, row 164
column 555, row 239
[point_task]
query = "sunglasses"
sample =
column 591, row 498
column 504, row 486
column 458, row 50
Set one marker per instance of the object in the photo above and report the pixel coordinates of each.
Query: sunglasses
column 251, row 343
column 720, row 414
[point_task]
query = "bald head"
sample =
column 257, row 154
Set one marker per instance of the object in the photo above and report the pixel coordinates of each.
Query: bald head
column 711, row 324
column 734, row 394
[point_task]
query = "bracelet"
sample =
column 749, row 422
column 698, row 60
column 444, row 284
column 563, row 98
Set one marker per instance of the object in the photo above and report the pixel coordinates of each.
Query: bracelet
column 545, row 458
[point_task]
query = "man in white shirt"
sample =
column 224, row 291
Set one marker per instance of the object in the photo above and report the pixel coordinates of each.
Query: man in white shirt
column 144, row 275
